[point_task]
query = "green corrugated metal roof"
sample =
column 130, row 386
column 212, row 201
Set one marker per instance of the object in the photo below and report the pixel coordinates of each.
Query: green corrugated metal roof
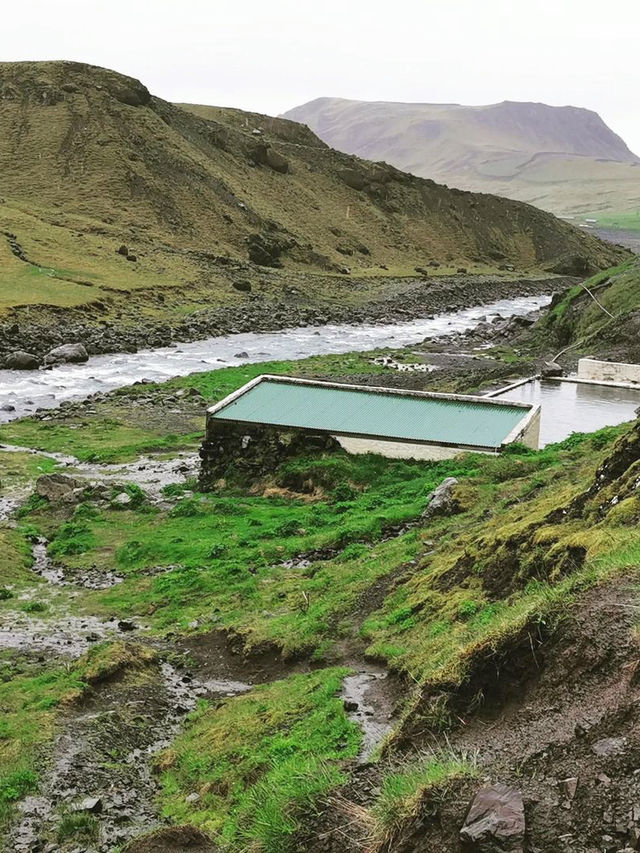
column 374, row 413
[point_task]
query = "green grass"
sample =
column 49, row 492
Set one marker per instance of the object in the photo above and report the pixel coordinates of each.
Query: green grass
column 78, row 826
column 403, row 791
column 224, row 552
column 629, row 221
column 259, row 761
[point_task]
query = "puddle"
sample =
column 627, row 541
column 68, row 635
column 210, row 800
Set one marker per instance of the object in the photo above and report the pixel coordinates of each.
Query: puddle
column 569, row 407
column 370, row 704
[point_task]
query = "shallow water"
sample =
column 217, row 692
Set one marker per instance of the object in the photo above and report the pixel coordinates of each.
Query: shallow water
column 569, row 407
column 46, row 389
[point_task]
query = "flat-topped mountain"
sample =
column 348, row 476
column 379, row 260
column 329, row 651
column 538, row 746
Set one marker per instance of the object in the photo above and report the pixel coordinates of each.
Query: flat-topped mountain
column 564, row 159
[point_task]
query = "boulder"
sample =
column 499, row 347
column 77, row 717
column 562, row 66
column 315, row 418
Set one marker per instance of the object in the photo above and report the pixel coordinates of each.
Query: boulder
column 353, row 178
column 441, row 500
column 58, row 487
column 495, row 822
column 67, row 353
column 242, row 284
column 265, row 155
column 21, row 360
column 551, row 368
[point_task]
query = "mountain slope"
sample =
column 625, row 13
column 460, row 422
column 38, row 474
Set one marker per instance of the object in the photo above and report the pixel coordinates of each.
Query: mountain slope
column 563, row 159
column 91, row 160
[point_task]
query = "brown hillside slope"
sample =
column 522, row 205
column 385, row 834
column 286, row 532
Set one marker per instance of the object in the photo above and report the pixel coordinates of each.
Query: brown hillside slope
column 90, row 160
column 563, row 159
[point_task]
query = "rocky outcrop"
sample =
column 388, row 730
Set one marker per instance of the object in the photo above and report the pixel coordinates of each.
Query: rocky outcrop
column 267, row 249
column 58, row 487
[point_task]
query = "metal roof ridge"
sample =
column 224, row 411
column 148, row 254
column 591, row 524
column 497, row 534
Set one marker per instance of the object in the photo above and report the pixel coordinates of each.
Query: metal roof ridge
column 367, row 389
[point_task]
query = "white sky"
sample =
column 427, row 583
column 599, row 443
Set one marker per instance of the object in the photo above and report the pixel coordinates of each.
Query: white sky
column 270, row 55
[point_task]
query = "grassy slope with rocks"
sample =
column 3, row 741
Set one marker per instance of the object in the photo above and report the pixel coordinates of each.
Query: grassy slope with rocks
column 604, row 323
column 92, row 162
column 456, row 606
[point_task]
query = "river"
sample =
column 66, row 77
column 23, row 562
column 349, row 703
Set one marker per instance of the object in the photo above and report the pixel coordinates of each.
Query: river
column 27, row 391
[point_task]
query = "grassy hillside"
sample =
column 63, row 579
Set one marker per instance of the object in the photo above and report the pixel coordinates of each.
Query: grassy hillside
column 600, row 318
column 562, row 159
column 91, row 161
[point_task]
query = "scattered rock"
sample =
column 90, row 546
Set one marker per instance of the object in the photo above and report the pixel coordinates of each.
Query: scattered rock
column 495, row 822
column 123, row 250
column 67, row 353
column 609, row 746
column 126, row 625
column 90, row 804
column 21, row 360
column 266, row 249
column 132, row 258
column 441, row 500
column 7, row 407
column 551, row 368
column 123, row 499
column 242, row 354
column 569, row 787
column 243, row 285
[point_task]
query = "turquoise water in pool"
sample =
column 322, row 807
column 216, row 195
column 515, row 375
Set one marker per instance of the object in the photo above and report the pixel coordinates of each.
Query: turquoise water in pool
column 569, row 407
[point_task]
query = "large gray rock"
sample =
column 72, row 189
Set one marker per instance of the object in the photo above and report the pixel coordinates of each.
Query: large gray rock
column 441, row 500
column 67, row 353
column 21, row 360
column 495, row 822
column 58, row 487
column 551, row 368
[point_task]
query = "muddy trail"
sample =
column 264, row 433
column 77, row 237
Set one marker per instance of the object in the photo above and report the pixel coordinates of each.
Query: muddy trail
column 100, row 765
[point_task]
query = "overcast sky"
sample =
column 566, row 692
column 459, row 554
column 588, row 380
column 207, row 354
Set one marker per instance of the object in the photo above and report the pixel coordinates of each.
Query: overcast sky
column 270, row 55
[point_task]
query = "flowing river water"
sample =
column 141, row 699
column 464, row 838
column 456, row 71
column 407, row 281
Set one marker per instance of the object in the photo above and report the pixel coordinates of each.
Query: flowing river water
column 27, row 391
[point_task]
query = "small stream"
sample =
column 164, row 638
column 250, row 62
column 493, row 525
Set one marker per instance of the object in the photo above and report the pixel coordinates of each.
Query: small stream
column 27, row 391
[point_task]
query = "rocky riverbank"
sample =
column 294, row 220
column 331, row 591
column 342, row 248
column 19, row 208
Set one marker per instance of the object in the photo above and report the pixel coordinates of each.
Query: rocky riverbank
column 39, row 330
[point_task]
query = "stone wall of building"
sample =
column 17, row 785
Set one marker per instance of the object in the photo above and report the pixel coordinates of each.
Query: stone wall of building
column 253, row 449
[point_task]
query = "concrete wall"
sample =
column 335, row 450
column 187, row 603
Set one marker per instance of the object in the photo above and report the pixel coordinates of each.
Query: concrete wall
column 530, row 436
column 608, row 371
column 397, row 449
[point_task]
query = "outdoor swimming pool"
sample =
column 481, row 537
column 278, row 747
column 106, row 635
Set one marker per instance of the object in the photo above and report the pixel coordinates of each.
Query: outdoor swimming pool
column 575, row 406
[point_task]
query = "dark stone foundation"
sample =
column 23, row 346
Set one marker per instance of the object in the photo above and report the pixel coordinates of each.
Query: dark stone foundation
column 253, row 449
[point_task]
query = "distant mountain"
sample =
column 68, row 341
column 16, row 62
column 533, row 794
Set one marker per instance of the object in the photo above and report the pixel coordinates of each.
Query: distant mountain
column 563, row 159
